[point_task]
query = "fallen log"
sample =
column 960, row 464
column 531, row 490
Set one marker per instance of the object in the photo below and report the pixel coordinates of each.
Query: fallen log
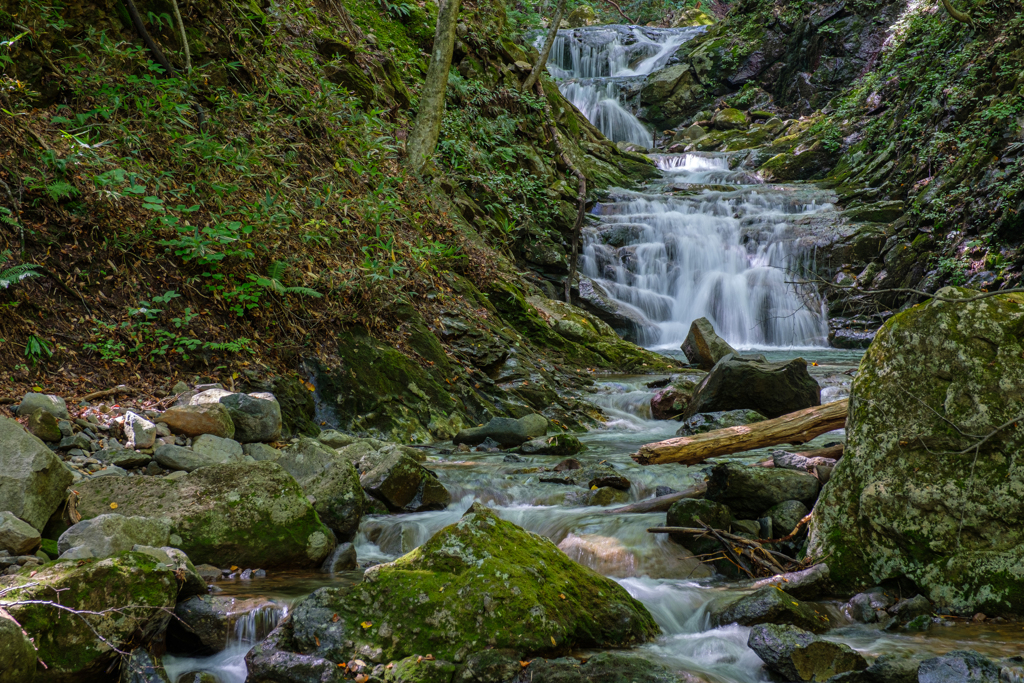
column 795, row 428
column 661, row 503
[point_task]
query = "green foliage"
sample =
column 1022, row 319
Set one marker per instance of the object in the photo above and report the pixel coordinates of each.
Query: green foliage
column 12, row 275
column 37, row 350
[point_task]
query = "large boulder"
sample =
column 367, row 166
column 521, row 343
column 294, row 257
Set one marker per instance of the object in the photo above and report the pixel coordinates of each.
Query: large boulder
column 772, row 389
column 478, row 584
column 256, row 417
column 703, row 347
column 701, row 423
column 959, row 666
column 17, row 537
column 559, row 444
column 34, row 401
column 797, row 655
column 729, row 119
column 80, row 649
column 193, row 421
column 205, row 622
column 331, row 480
column 251, row 514
column 670, row 402
column 930, row 483
column 404, row 485
column 505, row 431
column 17, row 656
column 772, row 605
column 44, row 425
column 142, row 667
column 185, row 459
column 33, row 481
column 112, row 534
column 750, row 491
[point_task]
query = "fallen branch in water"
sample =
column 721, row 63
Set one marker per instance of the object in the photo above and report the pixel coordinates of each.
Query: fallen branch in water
column 795, row 428
column 661, row 503
column 733, row 540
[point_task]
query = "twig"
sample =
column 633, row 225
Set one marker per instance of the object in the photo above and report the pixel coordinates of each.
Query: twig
column 616, row 6
column 119, row 389
column 184, row 38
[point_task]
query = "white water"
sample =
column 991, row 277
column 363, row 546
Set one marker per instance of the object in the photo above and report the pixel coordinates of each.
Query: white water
column 601, row 68
column 727, row 252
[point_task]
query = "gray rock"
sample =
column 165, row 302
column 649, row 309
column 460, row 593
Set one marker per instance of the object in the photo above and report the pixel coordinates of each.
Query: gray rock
column 142, row 667
column 604, row 667
column 122, row 457
column 806, row 584
column 226, row 450
column 801, row 463
column 261, row 452
column 771, row 606
column 687, row 512
column 559, row 444
column 785, row 516
column 110, row 471
column 208, row 620
column 65, row 428
column 79, row 441
column 798, row 655
column 257, row 417
column 192, row 582
column 588, row 477
column 403, row 485
column 110, row 534
column 959, row 666
column 772, row 389
column 140, row 432
column 331, row 480
column 906, row 611
column 335, row 439
column 342, row 559
column 186, row 460
column 893, row 669
column 17, row 655
column 17, row 537
column 506, row 431
column 869, row 606
column 33, row 481
column 702, row 346
column 750, row 491
column 44, row 425
column 702, row 423
column 54, row 405
column 195, row 420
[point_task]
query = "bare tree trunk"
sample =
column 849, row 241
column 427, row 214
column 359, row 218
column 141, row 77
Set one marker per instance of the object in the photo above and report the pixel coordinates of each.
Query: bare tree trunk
column 427, row 126
column 542, row 60
column 581, row 192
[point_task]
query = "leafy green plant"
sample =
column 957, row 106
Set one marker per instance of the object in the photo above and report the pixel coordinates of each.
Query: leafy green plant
column 13, row 274
column 37, row 350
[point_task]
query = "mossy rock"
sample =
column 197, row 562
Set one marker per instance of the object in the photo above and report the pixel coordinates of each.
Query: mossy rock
column 481, row 583
column 798, row 165
column 918, row 493
column 142, row 591
column 730, row 119
column 247, row 514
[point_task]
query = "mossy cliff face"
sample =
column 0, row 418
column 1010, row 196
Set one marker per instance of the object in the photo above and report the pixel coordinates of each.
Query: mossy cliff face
column 248, row 514
column 478, row 584
column 920, row 491
column 139, row 594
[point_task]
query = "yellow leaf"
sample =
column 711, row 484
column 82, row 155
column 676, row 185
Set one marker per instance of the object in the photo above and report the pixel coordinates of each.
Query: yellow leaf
column 593, row 488
column 113, row 506
column 366, row 624
column 37, row 388
column 358, row 662
column 562, row 595
column 233, row 567
column 553, row 641
column 795, row 603
column 523, row 664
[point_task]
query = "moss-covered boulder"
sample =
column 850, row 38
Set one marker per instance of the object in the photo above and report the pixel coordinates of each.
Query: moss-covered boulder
column 800, row 164
column 478, row 584
column 17, row 656
column 671, row 401
column 750, row 491
column 929, row 486
column 130, row 596
column 772, row 605
column 798, row 655
column 250, row 514
column 33, row 481
column 729, row 119
column 332, row 481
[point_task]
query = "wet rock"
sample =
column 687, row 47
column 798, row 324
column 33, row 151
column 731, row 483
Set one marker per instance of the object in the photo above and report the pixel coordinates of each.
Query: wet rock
column 112, row 534
column 559, row 444
column 256, row 417
column 966, row 548
column 604, row 667
column 141, row 433
column 479, row 575
column 792, row 461
column 772, row 389
column 273, row 660
column 206, row 622
column 33, row 480
column 141, row 667
column 331, row 479
column 193, row 421
column 772, row 606
column 626, row 321
column 251, row 514
column 606, row 495
column 43, row 425
column 959, row 666
column 342, row 559
column 506, row 431
column 671, row 402
column 17, row 537
column 54, row 405
column 785, row 516
column 404, row 485
column 489, row 666
column 609, row 556
column 208, row 572
column 905, row 611
column 588, row 477
column 17, row 656
column 798, row 655
column 800, row 164
column 709, row 422
column 806, row 584
column 868, row 607
column 750, row 491
column 689, row 512
column 143, row 592
column 702, row 346
column 879, row 212
column 568, row 464
column 729, row 119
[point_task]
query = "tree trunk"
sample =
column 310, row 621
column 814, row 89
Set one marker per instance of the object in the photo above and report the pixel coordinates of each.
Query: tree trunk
column 795, row 428
column 661, row 503
column 542, row 60
column 427, row 126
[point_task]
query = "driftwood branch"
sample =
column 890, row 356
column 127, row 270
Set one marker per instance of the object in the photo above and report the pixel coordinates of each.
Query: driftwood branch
column 119, row 389
column 795, row 428
column 661, row 503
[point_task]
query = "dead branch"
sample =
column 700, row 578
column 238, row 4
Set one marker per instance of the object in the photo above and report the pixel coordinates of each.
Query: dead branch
column 661, row 503
column 119, row 389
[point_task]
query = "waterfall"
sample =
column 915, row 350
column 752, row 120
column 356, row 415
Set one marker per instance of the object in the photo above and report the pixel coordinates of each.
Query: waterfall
column 600, row 69
column 712, row 243
column 254, row 625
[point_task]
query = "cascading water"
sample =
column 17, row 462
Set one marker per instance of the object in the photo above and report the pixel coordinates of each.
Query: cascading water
column 600, row 69
column 709, row 242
